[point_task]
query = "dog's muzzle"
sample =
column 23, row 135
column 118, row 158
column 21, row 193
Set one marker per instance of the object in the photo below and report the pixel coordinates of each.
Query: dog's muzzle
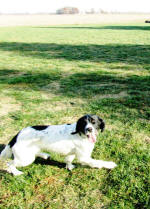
column 91, row 135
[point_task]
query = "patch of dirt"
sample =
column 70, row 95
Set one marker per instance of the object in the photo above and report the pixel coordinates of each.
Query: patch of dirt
column 97, row 85
column 142, row 137
column 60, row 105
column 48, row 91
column 114, row 96
column 105, row 84
column 53, row 85
column 111, row 127
column 8, row 105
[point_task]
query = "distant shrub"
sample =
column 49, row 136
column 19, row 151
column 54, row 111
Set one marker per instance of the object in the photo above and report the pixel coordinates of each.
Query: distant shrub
column 68, row 10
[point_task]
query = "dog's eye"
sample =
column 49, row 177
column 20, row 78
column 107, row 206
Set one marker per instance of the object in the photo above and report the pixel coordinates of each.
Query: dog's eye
column 93, row 121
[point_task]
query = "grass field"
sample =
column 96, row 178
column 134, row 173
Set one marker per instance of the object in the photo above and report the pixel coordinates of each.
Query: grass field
column 54, row 75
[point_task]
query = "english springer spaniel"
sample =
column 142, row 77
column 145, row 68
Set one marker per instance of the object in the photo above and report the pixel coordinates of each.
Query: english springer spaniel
column 72, row 140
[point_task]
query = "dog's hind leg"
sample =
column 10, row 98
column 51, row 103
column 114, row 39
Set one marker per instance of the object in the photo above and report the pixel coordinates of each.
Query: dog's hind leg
column 19, row 161
column 68, row 161
column 12, row 168
column 22, row 158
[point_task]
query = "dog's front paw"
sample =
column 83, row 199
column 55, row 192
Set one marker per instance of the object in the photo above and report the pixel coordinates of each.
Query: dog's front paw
column 46, row 156
column 70, row 166
column 110, row 165
column 43, row 155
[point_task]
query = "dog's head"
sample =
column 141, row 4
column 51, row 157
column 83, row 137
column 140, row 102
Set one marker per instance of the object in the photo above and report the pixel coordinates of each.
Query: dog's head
column 89, row 125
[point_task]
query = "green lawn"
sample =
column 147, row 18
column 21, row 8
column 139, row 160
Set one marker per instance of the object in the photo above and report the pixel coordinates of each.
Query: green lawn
column 54, row 75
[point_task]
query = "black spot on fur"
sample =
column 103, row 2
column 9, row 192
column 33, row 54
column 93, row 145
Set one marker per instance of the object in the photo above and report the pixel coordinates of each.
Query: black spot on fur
column 13, row 141
column 40, row 128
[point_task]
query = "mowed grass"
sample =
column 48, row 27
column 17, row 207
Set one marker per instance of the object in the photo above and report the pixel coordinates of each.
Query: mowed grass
column 54, row 75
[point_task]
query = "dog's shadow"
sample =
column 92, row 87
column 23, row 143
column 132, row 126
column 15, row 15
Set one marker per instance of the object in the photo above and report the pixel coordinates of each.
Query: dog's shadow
column 49, row 161
column 52, row 162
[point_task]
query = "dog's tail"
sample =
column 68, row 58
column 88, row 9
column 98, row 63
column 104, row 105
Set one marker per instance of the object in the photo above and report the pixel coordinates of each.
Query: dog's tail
column 6, row 153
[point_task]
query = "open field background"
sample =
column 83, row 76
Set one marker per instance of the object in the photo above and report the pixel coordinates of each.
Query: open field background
column 30, row 20
column 54, row 75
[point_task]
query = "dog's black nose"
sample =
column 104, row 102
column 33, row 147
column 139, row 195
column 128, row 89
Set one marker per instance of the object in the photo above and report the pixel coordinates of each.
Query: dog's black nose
column 89, row 129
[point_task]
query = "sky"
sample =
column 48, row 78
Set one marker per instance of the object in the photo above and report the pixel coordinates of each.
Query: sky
column 35, row 6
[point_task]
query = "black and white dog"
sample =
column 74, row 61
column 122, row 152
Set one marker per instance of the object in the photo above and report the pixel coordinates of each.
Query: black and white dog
column 72, row 140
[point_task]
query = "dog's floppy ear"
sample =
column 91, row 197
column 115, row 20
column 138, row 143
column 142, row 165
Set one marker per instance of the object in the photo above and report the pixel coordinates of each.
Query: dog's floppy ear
column 102, row 124
column 80, row 126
